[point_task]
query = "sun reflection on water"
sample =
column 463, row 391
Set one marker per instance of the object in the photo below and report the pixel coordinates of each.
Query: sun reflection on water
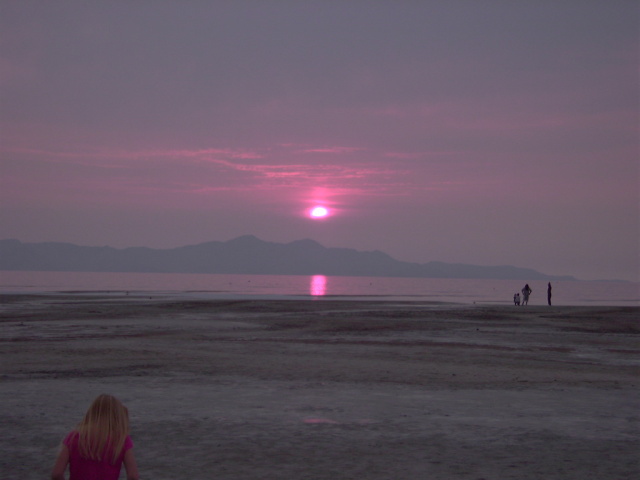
column 318, row 285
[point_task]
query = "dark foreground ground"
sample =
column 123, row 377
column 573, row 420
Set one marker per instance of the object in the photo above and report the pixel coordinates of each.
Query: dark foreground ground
column 326, row 389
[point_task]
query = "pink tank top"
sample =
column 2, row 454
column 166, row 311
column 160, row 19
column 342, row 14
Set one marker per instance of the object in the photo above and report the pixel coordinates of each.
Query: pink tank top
column 86, row 469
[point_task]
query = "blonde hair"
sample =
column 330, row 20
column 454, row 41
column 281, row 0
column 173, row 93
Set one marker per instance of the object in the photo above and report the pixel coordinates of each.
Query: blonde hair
column 103, row 429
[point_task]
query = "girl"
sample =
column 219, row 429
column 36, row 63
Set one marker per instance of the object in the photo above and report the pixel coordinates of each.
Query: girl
column 99, row 445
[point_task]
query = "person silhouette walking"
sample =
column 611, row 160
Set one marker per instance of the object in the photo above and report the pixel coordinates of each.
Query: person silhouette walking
column 526, row 291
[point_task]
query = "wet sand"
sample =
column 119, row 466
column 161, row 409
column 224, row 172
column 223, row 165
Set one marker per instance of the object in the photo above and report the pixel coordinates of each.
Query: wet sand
column 326, row 389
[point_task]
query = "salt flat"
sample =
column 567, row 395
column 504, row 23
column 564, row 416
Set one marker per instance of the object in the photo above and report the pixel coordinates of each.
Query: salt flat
column 326, row 389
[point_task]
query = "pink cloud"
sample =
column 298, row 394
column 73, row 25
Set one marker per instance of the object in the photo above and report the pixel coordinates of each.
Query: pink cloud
column 331, row 150
column 140, row 175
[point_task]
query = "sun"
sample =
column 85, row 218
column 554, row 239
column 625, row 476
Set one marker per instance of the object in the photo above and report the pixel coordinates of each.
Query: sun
column 319, row 212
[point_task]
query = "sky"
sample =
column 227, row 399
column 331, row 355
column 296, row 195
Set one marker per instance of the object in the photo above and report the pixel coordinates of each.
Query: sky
column 481, row 132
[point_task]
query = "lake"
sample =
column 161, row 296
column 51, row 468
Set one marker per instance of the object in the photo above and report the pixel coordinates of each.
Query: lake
column 466, row 291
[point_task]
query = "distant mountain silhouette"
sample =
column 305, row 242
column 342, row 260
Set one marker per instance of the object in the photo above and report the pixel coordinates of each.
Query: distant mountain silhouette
column 243, row 255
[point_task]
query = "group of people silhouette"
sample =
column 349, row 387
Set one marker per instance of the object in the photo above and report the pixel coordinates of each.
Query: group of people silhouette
column 526, row 293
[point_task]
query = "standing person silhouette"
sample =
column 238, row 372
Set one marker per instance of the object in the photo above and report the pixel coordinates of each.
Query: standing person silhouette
column 549, row 293
column 526, row 291
column 99, row 445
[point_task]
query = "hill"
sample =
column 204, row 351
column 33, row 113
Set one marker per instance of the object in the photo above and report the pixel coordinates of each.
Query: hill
column 243, row 255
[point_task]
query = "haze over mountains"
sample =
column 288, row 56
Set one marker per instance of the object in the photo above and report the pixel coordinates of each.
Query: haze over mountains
column 242, row 255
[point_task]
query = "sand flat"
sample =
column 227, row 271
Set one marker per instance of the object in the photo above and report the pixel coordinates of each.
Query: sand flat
column 327, row 389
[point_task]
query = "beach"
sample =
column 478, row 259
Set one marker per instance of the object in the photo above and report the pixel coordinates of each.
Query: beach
column 326, row 389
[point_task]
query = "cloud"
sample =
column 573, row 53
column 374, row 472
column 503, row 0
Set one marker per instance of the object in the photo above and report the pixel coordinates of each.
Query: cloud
column 204, row 171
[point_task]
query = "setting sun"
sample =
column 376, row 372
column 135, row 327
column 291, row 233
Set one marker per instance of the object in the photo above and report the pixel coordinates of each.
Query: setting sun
column 319, row 212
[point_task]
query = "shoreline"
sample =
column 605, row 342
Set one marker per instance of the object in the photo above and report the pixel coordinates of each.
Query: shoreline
column 212, row 286
column 328, row 389
column 201, row 296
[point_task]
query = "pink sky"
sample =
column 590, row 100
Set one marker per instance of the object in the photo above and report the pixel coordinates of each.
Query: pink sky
column 488, row 133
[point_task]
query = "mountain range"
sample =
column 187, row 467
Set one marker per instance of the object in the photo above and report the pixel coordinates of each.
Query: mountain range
column 243, row 255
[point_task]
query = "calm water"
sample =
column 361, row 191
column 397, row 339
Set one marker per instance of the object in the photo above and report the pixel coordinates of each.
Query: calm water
column 319, row 286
